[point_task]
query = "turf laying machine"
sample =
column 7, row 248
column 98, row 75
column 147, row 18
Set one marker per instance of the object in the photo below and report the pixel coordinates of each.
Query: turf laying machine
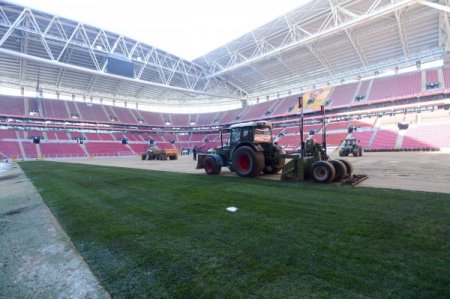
column 251, row 151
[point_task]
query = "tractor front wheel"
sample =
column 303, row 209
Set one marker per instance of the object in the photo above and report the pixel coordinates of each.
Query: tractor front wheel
column 144, row 157
column 322, row 172
column 211, row 166
column 247, row 162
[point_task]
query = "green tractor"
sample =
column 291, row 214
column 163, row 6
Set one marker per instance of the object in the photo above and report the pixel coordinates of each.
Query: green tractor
column 350, row 146
column 249, row 152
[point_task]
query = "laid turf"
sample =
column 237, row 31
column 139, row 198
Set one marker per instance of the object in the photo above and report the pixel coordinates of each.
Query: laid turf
column 160, row 234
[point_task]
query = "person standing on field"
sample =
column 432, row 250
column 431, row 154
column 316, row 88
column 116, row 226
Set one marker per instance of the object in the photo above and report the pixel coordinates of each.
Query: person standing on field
column 194, row 153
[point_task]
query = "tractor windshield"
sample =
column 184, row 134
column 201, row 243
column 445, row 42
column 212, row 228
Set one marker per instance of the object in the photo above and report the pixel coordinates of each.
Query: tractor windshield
column 263, row 134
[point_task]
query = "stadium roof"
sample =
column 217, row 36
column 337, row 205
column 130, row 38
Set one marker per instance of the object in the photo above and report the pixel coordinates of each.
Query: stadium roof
column 321, row 42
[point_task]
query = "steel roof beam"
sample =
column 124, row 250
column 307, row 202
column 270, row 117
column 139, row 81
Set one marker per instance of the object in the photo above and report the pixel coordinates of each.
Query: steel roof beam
column 321, row 58
column 445, row 34
column 371, row 14
column 67, row 34
column 336, row 11
column 437, row 6
column 66, row 66
column 401, row 32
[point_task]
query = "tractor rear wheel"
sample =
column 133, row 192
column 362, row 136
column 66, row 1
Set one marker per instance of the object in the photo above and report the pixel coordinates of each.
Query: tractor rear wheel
column 341, row 170
column 348, row 165
column 360, row 151
column 322, row 172
column 341, row 152
column 211, row 166
column 247, row 162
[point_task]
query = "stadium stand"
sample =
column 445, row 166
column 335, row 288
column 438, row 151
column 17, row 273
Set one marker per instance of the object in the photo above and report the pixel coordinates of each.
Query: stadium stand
column 435, row 116
column 363, row 123
column 30, row 150
column 92, row 112
column 55, row 109
column 130, row 137
column 198, row 137
column 332, row 139
column 73, row 110
column 206, row 119
column 384, row 139
column 107, row 149
column 291, row 130
column 179, row 120
column 343, row 95
column 363, row 91
column 8, row 134
column 77, row 135
column 337, row 125
column 61, row 150
column 61, row 136
column 378, row 132
column 139, row 148
column 231, row 116
column 183, row 138
column 152, row 118
column 432, row 76
column 33, row 106
column 10, row 149
column 286, row 105
column 259, row 111
column 405, row 85
column 10, row 105
column 427, row 136
column 124, row 115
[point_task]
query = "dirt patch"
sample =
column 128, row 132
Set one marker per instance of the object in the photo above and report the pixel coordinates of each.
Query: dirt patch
column 37, row 258
column 419, row 171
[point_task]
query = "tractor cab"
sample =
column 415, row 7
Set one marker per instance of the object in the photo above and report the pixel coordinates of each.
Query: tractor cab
column 252, row 132
column 351, row 142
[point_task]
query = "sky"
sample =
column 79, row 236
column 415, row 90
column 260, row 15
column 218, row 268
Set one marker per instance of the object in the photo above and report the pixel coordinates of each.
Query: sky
column 186, row 28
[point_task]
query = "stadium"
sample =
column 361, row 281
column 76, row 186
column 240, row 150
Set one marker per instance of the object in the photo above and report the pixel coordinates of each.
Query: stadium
column 82, row 214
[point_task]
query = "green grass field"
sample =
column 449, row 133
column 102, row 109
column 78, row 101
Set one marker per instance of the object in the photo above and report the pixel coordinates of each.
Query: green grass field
column 161, row 234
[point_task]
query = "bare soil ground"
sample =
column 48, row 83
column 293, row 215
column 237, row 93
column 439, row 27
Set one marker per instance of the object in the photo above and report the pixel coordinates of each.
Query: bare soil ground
column 419, row 171
column 37, row 258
